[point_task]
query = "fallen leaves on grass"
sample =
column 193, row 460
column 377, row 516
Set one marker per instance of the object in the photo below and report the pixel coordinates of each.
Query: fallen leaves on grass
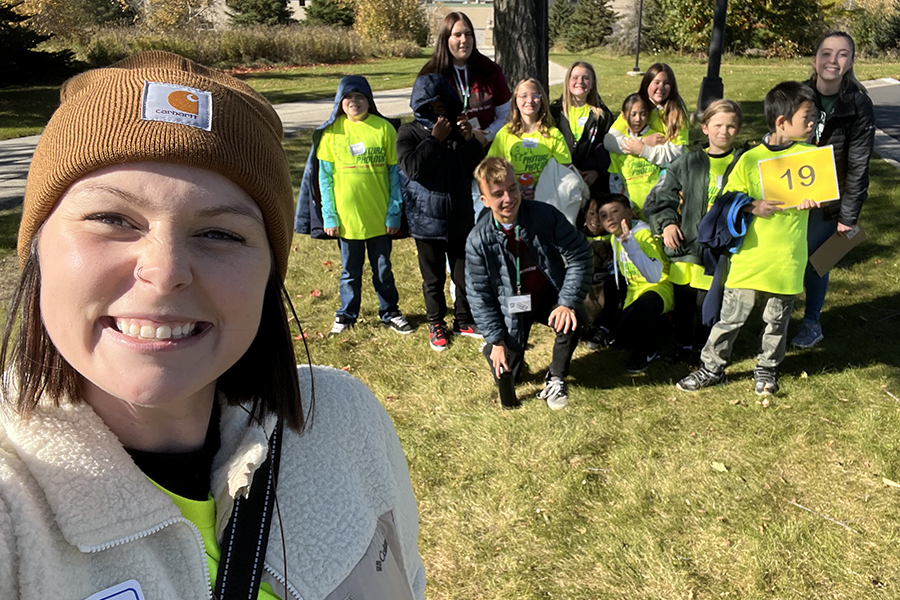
column 890, row 483
column 316, row 293
column 718, row 466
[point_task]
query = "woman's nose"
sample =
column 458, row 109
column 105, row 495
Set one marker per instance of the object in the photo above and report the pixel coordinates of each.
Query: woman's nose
column 163, row 264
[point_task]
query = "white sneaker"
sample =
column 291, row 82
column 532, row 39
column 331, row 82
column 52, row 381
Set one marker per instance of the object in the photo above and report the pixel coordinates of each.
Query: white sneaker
column 556, row 393
column 340, row 324
column 399, row 324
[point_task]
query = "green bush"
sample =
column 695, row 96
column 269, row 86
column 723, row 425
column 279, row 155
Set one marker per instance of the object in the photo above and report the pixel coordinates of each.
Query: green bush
column 558, row 20
column 876, row 28
column 590, row 25
column 247, row 46
column 330, row 12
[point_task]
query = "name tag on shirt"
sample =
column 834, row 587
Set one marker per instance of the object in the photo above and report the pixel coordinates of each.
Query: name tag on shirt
column 719, row 181
column 128, row 590
column 519, row 304
column 582, row 121
column 529, row 143
column 357, row 149
column 474, row 123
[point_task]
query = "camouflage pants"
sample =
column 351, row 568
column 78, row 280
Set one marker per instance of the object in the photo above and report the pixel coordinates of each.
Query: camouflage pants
column 736, row 307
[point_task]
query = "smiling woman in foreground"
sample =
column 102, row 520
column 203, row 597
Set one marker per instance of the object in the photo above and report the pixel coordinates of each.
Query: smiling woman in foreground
column 157, row 441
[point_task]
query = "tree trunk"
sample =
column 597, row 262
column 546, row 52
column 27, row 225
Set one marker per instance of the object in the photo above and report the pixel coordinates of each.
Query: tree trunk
column 521, row 39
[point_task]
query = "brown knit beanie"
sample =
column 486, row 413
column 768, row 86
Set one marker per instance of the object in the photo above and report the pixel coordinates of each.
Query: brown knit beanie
column 160, row 107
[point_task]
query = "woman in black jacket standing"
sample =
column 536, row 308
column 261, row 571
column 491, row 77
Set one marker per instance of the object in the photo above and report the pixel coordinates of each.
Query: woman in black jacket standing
column 437, row 154
column 847, row 122
column 584, row 119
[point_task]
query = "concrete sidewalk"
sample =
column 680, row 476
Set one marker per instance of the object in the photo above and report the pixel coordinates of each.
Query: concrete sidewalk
column 15, row 155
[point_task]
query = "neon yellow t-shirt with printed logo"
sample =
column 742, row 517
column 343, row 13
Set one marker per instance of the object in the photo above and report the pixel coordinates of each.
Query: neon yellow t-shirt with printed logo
column 578, row 117
column 530, row 152
column 637, row 284
column 717, row 167
column 772, row 257
column 361, row 152
column 202, row 513
column 638, row 175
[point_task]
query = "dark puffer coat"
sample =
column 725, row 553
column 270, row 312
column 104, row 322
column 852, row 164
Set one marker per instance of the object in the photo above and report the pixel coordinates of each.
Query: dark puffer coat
column 436, row 176
column 588, row 153
column 563, row 255
column 850, row 128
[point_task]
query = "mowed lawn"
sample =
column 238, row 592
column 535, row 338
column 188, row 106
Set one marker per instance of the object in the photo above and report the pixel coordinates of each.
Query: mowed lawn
column 637, row 490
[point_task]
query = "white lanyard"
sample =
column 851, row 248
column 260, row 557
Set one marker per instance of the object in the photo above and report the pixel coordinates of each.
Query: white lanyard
column 463, row 87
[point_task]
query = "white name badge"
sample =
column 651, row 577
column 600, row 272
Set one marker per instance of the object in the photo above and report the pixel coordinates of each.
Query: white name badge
column 357, row 149
column 719, row 179
column 519, row 304
column 582, row 121
column 474, row 123
column 128, row 590
column 529, row 143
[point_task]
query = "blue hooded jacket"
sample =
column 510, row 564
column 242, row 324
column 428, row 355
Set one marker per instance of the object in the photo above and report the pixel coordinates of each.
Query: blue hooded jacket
column 308, row 217
column 436, row 175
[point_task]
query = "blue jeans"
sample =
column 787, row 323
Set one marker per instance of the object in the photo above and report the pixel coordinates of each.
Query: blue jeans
column 353, row 255
column 816, row 287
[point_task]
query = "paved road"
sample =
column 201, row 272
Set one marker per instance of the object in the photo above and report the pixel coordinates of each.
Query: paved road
column 15, row 155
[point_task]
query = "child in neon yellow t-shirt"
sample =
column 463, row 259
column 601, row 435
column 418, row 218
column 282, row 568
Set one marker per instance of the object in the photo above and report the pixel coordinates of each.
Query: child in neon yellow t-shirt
column 359, row 185
column 633, row 175
column 529, row 140
column 639, row 257
column 772, row 257
column 678, row 204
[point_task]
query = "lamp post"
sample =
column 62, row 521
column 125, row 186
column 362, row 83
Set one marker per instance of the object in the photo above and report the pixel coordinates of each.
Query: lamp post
column 636, row 72
column 712, row 88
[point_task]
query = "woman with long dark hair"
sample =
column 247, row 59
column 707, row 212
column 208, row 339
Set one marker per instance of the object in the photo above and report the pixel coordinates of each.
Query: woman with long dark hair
column 478, row 80
column 847, row 123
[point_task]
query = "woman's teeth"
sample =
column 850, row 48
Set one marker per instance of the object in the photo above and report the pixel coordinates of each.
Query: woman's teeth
column 145, row 331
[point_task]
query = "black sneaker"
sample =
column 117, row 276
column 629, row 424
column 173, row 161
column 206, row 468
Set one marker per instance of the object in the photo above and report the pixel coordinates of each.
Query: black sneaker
column 701, row 378
column 437, row 336
column 679, row 354
column 639, row 361
column 397, row 322
column 467, row 330
column 600, row 339
column 766, row 381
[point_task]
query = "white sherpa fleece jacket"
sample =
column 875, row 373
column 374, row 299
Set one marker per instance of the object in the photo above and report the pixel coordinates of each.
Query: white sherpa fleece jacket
column 78, row 517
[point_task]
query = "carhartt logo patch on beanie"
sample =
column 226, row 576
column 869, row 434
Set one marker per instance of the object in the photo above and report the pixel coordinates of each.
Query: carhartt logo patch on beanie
column 177, row 104
column 160, row 107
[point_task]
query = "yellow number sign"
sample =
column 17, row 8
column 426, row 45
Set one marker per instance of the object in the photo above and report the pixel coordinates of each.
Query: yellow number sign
column 801, row 176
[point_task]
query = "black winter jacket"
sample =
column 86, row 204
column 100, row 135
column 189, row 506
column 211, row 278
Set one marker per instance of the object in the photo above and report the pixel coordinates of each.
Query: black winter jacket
column 850, row 128
column 681, row 198
column 436, row 176
column 588, row 153
column 561, row 252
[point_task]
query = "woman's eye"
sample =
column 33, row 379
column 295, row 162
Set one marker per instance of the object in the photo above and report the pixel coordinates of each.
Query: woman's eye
column 113, row 219
column 218, row 234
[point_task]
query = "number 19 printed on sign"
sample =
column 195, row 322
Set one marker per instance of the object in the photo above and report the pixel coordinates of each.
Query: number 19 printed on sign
column 802, row 176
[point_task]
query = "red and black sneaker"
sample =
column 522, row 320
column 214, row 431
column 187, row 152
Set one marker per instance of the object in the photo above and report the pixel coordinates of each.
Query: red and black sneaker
column 468, row 330
column 437, row 336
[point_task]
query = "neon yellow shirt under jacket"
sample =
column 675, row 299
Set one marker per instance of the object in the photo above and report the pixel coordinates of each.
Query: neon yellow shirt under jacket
column 772, row 257
column 684, row 273
column 530, row 152
column 361, row 152
column 641, row 260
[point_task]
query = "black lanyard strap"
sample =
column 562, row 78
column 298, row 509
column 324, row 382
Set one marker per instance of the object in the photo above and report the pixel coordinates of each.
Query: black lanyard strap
column 247, row 534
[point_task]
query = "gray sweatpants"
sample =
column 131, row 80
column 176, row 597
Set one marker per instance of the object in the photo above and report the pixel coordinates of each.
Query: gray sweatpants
column 736, row 307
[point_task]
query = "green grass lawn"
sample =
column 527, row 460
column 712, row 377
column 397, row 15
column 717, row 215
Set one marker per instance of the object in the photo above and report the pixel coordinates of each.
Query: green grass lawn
column 637, row 490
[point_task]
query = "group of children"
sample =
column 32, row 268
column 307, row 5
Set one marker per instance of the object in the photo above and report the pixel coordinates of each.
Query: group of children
column 648, row 197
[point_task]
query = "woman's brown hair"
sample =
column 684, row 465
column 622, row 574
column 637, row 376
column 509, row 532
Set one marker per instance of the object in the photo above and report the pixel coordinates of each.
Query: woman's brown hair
column 441, row 60
column 674, row 111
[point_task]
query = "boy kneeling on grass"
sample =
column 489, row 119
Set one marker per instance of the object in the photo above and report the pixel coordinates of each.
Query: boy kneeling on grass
column 525, row 263
column 772, row 257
